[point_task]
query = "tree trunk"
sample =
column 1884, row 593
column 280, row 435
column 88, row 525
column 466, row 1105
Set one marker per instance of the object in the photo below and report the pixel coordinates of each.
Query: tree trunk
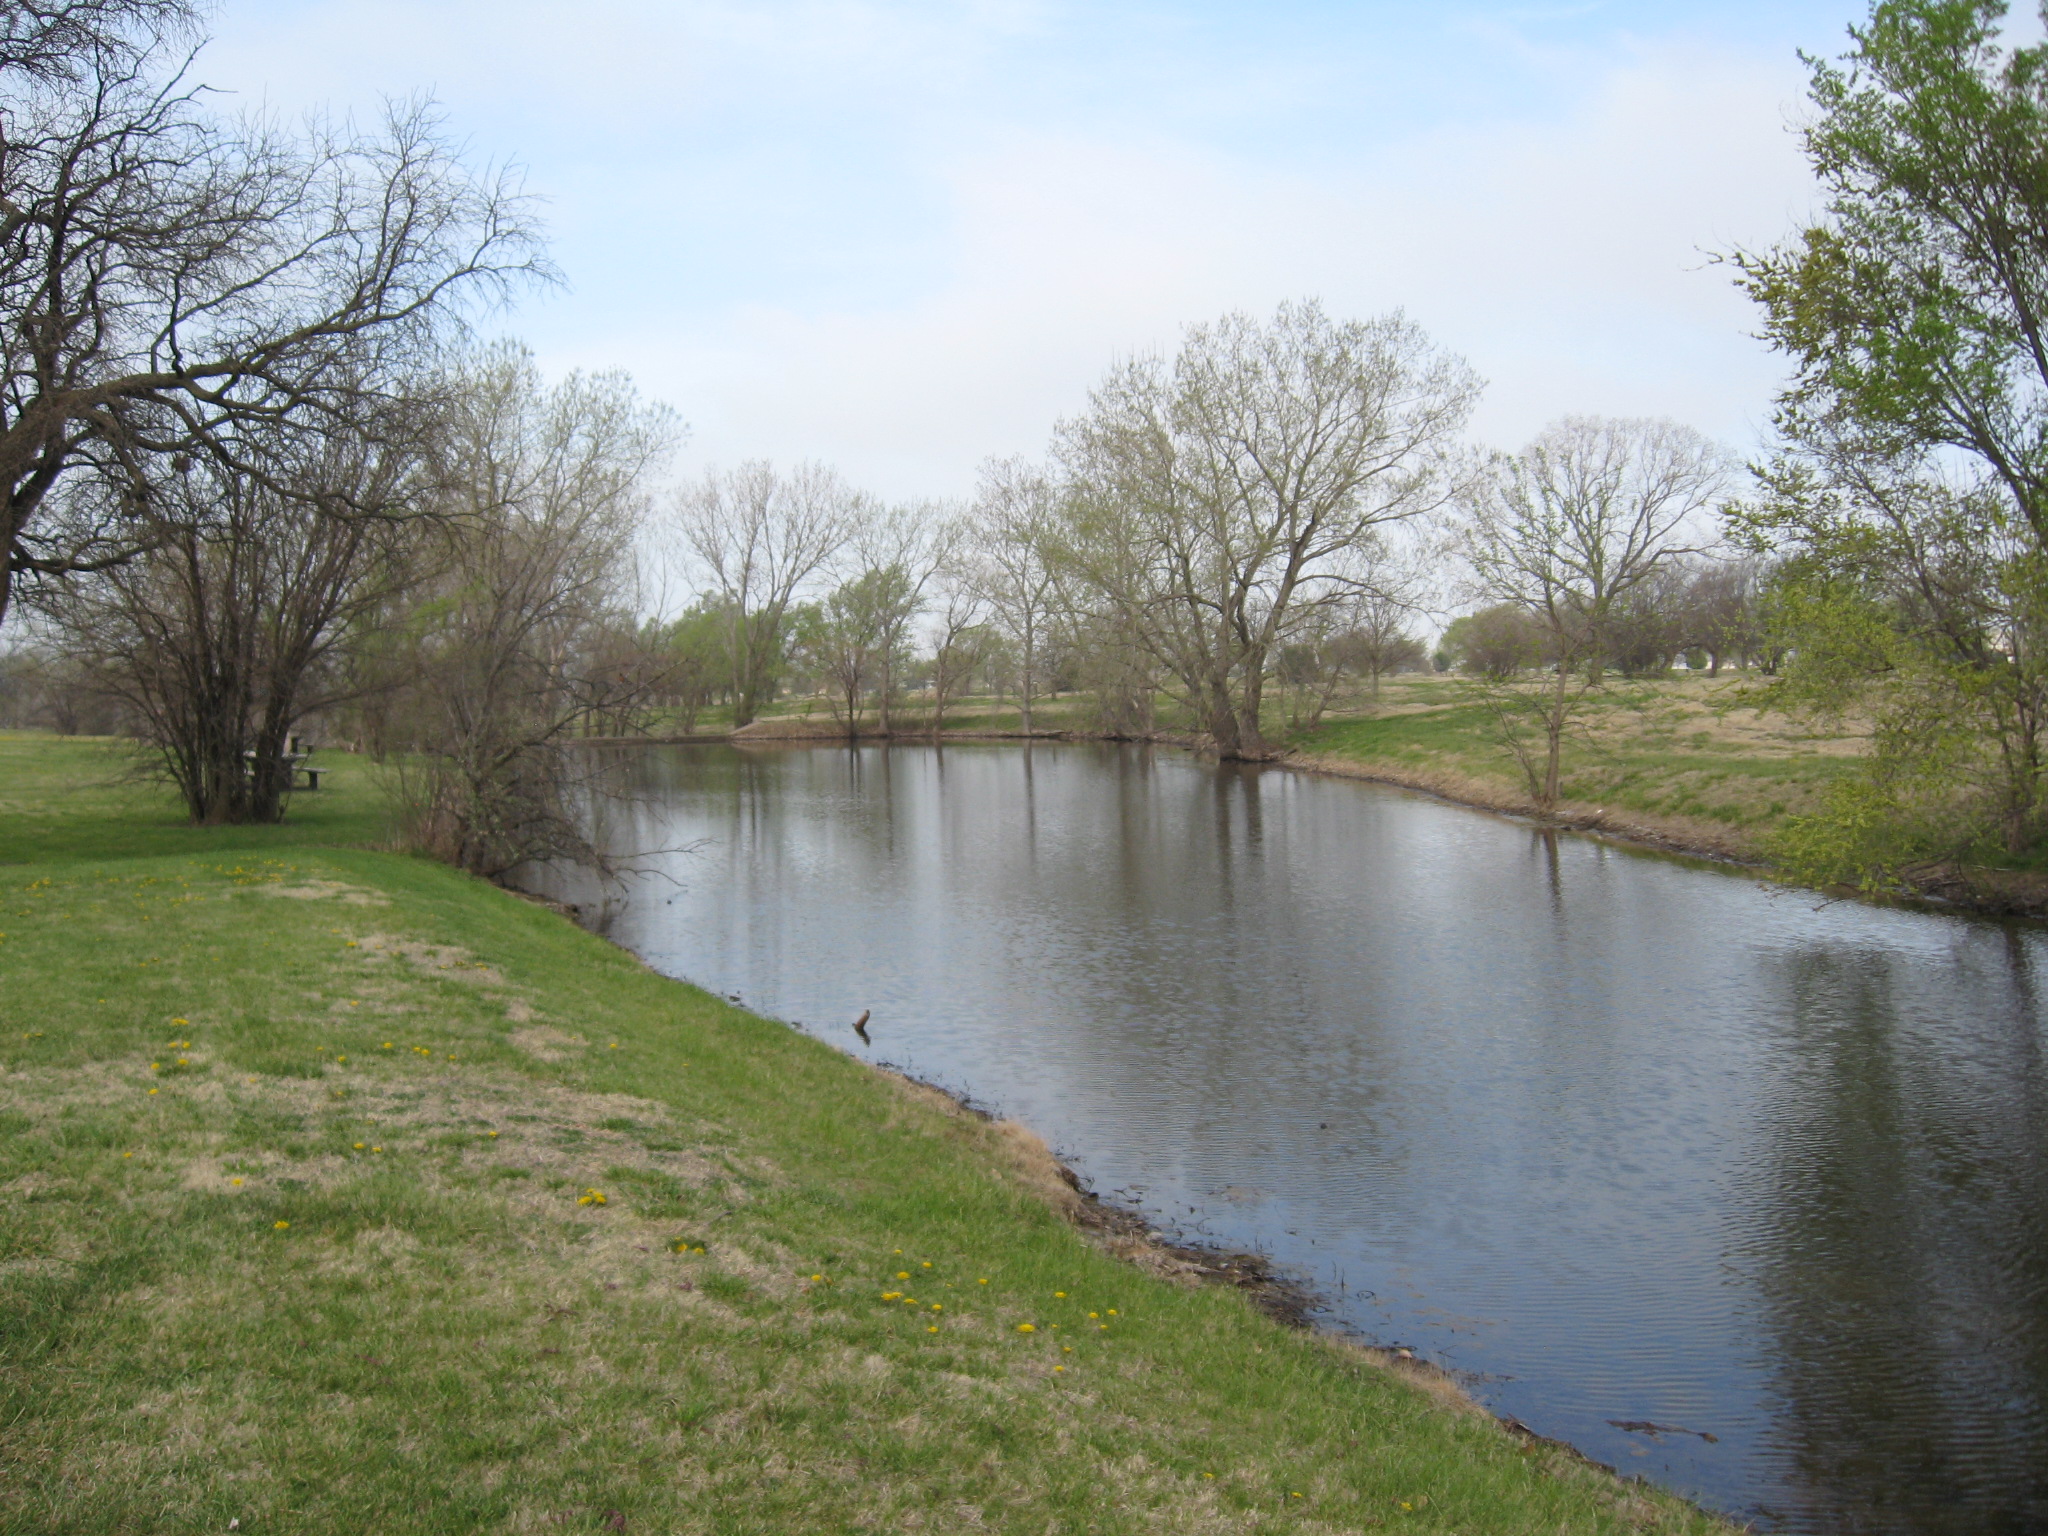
column 1027, row 679
column 1553, row 727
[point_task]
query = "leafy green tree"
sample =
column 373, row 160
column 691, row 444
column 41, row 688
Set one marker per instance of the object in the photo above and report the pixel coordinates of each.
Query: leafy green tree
column 1911, row 505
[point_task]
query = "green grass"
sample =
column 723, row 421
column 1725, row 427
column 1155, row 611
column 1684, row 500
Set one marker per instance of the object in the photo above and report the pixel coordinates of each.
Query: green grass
column 298, row 1230
column 1683, row 750
column 81, row 797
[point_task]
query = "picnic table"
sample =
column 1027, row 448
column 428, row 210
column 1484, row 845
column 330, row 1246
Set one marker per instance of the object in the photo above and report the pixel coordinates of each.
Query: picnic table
column 294, row 759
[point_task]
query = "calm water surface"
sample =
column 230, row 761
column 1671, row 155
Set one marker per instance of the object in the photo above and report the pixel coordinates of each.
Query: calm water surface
column 1611, row 1136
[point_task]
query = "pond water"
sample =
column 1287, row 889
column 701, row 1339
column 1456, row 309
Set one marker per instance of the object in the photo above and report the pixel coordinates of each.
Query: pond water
column 1620, row 1140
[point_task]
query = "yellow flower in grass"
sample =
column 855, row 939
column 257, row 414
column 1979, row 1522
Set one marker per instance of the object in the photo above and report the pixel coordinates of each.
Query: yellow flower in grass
column 982, row 1281
column 938, row 1306
column 235, row 1181
column 591, row 1197
column 902, row 1274
column 892, row 1295
column 927, row 1263
column 152, row 1090
column 933, row 1329
column 280, row 1225
column 1059, row 1295
column 359, row 1146
column 1027, row 1327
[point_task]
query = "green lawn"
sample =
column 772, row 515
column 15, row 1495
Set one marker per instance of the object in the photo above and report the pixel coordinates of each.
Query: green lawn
column 343, row 1193
column 1675, row 751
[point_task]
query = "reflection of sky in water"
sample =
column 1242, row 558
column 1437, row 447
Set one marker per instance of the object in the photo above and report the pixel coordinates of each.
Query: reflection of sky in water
column 1617, row 1137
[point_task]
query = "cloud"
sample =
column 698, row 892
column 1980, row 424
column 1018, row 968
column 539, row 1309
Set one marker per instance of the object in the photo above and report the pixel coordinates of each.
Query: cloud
column 1569, row 261
column 903, row 235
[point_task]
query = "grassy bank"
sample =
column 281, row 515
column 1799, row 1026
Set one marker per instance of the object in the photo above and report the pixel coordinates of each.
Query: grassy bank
column 1687, row 760
column 342, row 1193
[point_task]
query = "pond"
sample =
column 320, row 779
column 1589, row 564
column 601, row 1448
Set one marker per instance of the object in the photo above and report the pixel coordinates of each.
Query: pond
column 1730, row 1188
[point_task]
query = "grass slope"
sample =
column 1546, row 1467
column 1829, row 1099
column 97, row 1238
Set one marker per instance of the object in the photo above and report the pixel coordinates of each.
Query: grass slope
column 339, row 1192
column 1688, row 756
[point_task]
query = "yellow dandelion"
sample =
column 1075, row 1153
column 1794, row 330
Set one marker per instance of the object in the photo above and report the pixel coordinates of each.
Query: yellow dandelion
column 280, row 1225
column 615, row 1045
column 154, row 1065
column 127, row 1154
column 1209, row 1475
column 152, row 1090
column 1102, row 1327
column 982, row 1281
column 892, row 1295
column 354, row 1004
column 387, row 1045
column 359, row 1146
column 1406, row 1505
column 910, row 1301
column 1027, row 1328
column 341, row 1061
column 816, row 1278
column 1112, row 1311
column 927, row 1263
column 1059, row 1295
column 492, row 1134
column 1294, row 1495
column 1066, row 1349
column 1059, row 1370
column 234, row 1181
column 902, row 1274
column 376, row 1149
column 183, row 1062
column 938, row 1306
column 174, row 1021
column 1095, row 1314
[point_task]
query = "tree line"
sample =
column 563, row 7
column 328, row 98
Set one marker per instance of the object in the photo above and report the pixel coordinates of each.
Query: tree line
column 257, row 469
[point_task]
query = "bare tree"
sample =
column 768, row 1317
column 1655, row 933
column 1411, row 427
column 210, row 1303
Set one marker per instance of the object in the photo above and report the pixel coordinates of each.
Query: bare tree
column 52, row 41
column 961, row 643
column 175, row 284
column 227, row 633
column 1004, row 560
column 760, row 536
column 901, row 550
column 544, row 494
column 1569, row 529
column 1214, row 500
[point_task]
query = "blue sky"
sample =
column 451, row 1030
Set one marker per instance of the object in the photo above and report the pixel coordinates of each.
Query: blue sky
column 902, row 235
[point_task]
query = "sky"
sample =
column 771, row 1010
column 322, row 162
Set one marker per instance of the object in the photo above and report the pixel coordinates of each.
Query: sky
column 903, row 236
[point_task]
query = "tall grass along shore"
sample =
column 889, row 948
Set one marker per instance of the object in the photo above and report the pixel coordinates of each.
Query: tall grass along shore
column 345, row 1193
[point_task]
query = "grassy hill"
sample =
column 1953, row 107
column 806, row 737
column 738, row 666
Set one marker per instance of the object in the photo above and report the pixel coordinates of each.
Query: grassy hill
column 340, row 1192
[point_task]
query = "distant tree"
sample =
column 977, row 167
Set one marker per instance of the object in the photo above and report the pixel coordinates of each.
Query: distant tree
column 695, row 671
column 1497, row 642
column 1211, row 501
column 1570, row 529
column 762, row 536
column 1004, row 559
